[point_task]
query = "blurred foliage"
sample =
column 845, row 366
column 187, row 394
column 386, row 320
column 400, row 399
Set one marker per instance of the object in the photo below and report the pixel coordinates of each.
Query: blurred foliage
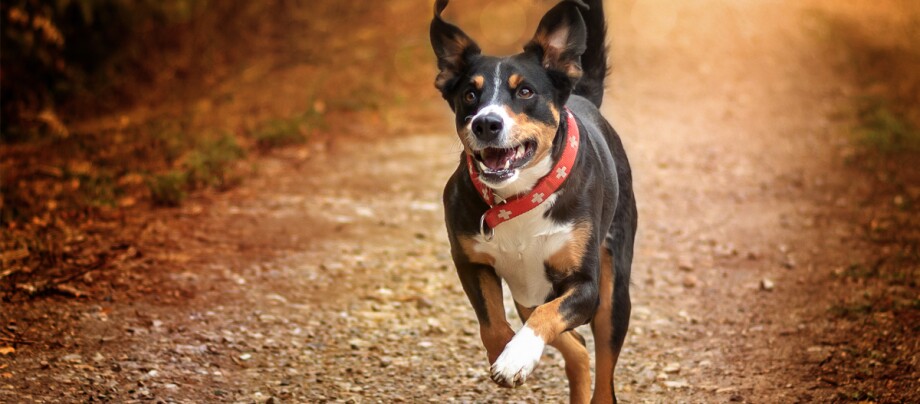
column 53, row 50
column 207, row 165
column 168, row 189
column 283, row 132
column 54, row 203
column 112, row 106
column 886, row 130
column 885, row 62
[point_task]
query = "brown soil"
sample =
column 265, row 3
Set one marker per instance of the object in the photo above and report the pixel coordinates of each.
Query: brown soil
column 326, row 276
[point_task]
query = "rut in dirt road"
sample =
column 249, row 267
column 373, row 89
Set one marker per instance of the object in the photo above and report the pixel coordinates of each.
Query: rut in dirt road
column 328, row 278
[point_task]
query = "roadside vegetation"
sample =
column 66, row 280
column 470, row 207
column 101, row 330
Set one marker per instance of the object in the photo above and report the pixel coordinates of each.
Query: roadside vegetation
column 65, row 182
column 113, row 109
column 883, row 306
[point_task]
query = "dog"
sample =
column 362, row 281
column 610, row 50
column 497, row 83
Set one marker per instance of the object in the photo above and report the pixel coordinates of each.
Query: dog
column 542, row 197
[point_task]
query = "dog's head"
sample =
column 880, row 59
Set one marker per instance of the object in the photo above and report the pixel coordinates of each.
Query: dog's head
column 508, row 109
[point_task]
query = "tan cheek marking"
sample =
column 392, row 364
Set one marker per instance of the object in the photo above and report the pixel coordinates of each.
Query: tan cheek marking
column 526, row 128
column 571, row 255
column 478, row 82
column 515, row 80
column 554, row 111
column 546, row 141
column 469, row 248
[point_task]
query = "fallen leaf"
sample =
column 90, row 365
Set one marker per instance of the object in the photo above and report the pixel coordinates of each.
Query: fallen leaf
column 7, row 375
column 6, row 350
column 127, row 202
column 69, row 290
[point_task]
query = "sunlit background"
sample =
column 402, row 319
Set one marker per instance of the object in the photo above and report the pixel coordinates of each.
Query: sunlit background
column 240, row 201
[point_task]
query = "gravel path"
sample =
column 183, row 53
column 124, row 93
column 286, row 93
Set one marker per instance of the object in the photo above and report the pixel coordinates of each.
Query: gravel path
column 328, row 278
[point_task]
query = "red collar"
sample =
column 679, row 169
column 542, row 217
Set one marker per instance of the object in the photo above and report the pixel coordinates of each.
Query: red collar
column 521, row 204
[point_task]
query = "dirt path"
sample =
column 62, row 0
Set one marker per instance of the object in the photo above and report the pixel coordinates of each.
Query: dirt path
column 329, row 278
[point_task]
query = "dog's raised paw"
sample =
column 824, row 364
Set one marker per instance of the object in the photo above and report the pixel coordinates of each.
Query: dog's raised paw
column 518, row 359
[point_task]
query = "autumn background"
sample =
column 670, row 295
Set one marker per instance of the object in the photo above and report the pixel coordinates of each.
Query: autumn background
column 239, row 201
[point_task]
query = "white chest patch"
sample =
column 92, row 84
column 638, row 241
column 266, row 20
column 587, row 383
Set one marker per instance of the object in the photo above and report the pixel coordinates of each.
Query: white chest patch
column 520, row 247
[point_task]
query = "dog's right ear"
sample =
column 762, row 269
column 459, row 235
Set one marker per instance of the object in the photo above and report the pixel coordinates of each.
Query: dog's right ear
column 452, row 47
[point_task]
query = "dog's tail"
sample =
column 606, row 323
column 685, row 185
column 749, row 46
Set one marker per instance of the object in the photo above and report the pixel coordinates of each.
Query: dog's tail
column 594, row 60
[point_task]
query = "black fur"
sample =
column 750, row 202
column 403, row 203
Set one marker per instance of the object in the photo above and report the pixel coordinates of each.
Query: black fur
column 594, row 60
column 599, row 187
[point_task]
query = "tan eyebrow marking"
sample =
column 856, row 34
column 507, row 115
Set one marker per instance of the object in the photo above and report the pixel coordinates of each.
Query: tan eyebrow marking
column 478, row 81
column 515, row 80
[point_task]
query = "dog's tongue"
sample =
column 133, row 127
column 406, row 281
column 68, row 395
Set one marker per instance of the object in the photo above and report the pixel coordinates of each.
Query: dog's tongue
column 495, row 159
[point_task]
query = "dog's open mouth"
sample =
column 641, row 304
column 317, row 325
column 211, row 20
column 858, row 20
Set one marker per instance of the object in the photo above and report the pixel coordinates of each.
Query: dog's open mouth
column 497, row 164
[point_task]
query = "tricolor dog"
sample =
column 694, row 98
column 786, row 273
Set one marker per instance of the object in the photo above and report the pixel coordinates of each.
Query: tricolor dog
column 542, row 197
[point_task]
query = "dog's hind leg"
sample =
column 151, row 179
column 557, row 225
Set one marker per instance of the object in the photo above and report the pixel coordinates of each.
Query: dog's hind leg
column 609, row 326
column 577, row 360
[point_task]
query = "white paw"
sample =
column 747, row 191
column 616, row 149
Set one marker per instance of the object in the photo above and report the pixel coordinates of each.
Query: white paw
column 519, row 358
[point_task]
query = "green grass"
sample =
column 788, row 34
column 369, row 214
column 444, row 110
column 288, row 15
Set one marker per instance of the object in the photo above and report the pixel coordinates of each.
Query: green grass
column 168, row 189
column 52, row 194
column 858, row 395
column 98, row 189
column 209, row 164
column 285, row 132
column 200, row 161
column 852, row 311
column 884, row 130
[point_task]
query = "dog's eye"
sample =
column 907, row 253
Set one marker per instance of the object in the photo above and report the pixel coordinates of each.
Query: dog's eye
column 525, row 92
column 469, row 97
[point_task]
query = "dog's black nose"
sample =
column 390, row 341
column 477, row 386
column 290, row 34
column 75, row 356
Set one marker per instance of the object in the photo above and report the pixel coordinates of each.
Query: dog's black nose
column 487, row 127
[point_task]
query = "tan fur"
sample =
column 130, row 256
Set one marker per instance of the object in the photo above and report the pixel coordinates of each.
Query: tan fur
column 468, row 244
column 571, row 255
column 515, row 80
column 577, row 366
column 577, row 361
column 546, row 320
column 603, row 333
column 478, row 82
column 526, row 128
column 496, row 334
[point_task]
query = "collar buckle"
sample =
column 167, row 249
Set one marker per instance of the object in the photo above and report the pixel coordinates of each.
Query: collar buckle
column 482, row 229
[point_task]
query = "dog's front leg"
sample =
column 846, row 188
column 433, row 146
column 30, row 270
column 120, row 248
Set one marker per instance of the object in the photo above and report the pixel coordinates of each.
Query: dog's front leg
column 484, row 289
column 574, row 307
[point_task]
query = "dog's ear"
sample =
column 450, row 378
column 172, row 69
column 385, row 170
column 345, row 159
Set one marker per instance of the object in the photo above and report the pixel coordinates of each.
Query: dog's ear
column 453, row 48
column 560, row 40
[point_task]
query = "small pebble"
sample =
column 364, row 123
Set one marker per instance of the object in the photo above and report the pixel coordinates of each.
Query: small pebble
column 672, row 368
column 676, row 384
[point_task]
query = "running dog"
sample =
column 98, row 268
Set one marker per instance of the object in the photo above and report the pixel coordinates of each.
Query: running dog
column 542, row 197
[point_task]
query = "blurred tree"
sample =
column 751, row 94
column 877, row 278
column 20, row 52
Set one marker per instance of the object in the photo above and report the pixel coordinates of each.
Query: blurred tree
column 55, row 49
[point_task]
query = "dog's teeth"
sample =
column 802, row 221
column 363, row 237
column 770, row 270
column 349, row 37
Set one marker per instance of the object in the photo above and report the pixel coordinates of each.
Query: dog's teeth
column 507, row 164
column 520, row 151
column 482, row 166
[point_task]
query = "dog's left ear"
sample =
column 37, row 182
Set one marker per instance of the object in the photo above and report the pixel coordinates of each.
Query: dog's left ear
column 560, row 40
column 453, row 48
